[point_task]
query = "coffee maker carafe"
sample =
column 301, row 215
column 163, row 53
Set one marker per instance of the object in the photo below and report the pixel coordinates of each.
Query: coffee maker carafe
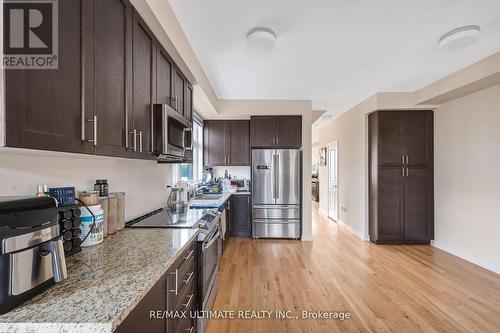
column 31, row 249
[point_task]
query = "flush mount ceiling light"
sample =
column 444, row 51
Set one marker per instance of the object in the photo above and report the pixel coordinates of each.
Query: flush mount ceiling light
column 261, row 38
column 460, row 37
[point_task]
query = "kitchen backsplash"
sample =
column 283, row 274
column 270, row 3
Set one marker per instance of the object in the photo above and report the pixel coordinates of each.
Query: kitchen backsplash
column 143, row 182
column 234, row 171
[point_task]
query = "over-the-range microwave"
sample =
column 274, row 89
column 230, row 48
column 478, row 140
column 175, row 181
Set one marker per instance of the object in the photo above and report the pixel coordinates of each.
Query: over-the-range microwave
column 172, row 135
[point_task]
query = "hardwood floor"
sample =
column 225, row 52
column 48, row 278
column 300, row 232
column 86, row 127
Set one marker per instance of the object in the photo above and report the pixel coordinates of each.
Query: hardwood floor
column 385, row 288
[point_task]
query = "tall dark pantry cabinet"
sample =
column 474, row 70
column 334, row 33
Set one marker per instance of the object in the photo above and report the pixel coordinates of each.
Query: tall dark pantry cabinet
column 401, row 177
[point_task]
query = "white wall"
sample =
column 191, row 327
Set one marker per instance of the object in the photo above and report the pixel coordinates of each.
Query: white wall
column 467, row 181
column 349, row 129
column 143, row 181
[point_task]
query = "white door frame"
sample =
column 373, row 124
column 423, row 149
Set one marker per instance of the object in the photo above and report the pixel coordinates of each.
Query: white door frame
column 336, row 145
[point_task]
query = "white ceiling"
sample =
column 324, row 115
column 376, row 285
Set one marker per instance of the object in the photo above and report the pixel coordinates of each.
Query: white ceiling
column 333, row 52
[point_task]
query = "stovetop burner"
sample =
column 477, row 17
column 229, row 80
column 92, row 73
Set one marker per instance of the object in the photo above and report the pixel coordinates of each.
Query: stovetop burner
column 204, row 219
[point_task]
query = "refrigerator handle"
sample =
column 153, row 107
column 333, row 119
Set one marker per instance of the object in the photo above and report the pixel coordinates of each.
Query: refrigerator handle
column 276, row 180
column 274, row 176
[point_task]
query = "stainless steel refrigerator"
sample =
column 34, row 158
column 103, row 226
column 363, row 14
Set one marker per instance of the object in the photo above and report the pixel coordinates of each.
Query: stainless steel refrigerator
column 276, row 193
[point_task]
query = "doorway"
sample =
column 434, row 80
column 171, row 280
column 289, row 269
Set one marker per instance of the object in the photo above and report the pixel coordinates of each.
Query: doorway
column 333, row 181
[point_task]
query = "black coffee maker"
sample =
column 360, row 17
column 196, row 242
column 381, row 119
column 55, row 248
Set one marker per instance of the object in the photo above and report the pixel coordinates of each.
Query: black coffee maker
column 31, row 249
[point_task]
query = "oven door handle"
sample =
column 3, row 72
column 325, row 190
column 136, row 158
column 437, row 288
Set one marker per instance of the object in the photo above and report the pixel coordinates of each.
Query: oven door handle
column 212, row 241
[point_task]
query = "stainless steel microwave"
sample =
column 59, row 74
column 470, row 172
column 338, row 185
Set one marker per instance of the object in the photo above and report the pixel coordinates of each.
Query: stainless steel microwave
column 172, row 135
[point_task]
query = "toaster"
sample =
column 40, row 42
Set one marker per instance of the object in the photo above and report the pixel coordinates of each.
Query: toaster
column 31, row 249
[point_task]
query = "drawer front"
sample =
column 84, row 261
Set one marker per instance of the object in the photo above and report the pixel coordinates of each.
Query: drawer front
column 182, row 275
column 282, row 212
column 269, row 229
column 186, row 306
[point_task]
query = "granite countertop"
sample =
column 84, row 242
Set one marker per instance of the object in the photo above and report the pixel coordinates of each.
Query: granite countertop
column 105, row 282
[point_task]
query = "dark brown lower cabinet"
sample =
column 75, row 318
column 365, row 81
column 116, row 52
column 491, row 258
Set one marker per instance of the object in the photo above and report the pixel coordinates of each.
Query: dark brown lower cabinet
column 402, row 194
column 139, row 320
column 240, row 216
column 175, row 293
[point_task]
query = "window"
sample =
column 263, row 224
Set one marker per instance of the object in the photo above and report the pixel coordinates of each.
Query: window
column 192, row 171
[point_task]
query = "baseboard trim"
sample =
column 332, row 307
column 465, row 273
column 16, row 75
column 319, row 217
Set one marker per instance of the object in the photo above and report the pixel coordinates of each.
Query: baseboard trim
column 486, row 265
column 351, row 230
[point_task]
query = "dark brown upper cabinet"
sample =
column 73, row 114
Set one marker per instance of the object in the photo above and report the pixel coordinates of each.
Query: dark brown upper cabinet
column 405, row 138
column 276, row 131
column 401, row 176
column 164, row 68
column 188, row 110
column 179, row 84
column 416, row 125
column 113, row 76
column 100, row 99
column 238, row 142
column 49, row 109
column 226, row 142
column 144, row 88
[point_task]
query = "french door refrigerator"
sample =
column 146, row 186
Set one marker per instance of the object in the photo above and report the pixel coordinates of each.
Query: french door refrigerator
column 276, row 193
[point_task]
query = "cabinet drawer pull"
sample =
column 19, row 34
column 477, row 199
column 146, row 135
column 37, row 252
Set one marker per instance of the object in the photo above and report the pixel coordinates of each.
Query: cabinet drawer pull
column 406, row 172
column 189, row 278
column 189, row 255
column 176, row 290
column 403, row 172
column 186, row 306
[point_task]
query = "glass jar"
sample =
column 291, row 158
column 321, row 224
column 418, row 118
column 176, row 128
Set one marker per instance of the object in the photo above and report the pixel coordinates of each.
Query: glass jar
column 112, row 213
column 105, row 207
column 120, row 211
column 89, row 198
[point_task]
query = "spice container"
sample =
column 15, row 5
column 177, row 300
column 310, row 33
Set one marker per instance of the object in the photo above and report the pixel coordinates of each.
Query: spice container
column 112, row 213
column 120, row 223
column 89, row 198
column 105, row 207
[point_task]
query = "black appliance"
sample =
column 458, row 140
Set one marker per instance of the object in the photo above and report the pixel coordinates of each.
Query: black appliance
column 31, row 249
column 209, row 247
column 172, row 140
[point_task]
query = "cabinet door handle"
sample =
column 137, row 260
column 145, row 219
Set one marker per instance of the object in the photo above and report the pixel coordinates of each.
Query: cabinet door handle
column 140, row 141
column 403, row 172
column 402, row 159
column 407, row 159
column 406, row 172
column 94, row 136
